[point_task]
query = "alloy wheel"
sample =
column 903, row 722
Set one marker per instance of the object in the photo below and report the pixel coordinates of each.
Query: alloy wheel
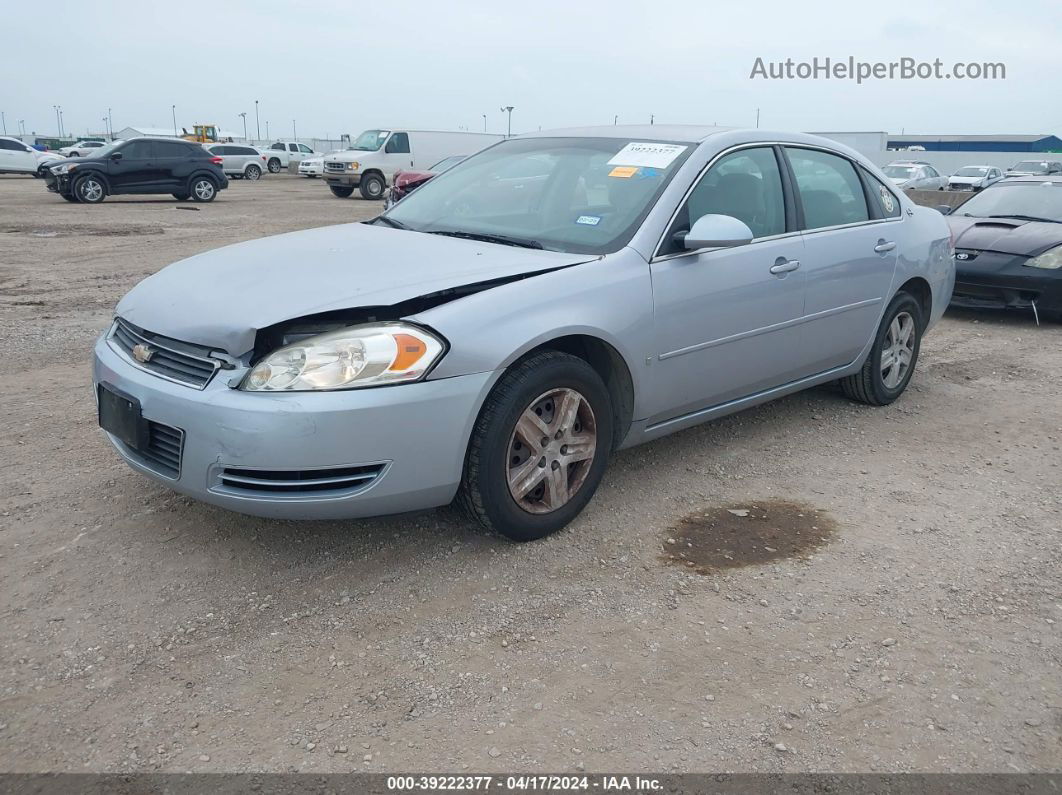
column 897, row 351
column 204, row 189
column 90, row 190
column 551, row 450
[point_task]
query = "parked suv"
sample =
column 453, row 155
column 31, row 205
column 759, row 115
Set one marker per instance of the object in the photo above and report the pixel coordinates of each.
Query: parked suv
column 239, row 160
column 141, row 165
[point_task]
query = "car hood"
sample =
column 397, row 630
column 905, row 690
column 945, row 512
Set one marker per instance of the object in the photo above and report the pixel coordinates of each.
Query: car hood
column 899, row 180
column 221, row 298
column 965, row 180
column 403, row 178
column 1005, row 235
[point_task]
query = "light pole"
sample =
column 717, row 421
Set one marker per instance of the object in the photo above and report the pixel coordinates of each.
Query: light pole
column 757, row 118
column 110, row 125
column 484, row 122
column 58, row 123
column 22, row 126
column 244, row 117
column 173, row 110
column 294, row 137
column 267, row 131
column 257, row 125
column 3, row 120
column 509, row 109
column 62, row 131
column 652, row 117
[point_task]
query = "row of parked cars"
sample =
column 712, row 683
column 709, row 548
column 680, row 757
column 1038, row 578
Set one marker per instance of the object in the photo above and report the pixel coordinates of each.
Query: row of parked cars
column 920, row 175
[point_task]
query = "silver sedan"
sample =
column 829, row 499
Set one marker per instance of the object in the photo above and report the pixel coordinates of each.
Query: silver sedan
column 495, row 337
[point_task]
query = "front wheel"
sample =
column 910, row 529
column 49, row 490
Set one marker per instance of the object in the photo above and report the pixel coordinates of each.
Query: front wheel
column 90, row 190
column 539, row 447
column 204, row 189
column 891, row 363
column 341, row 191
column 372, row 187
column 273, row 165
column 253, row 172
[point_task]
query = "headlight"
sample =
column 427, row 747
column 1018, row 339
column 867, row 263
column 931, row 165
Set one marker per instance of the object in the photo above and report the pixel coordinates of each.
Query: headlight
column 64, row 168
column 350, row 358
column 1050, row 260
column 352, row 166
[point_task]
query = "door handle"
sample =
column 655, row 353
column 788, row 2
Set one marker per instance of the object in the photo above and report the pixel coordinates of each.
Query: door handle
column 783, row 265
column 884, row 246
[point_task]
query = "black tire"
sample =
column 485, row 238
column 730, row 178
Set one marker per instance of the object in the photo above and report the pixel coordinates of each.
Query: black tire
column 73, row 154
column 202, row 189
column 90, row 189
column 484, row 493
column 372, row 187
column 868, row 385
column 69, row 197
column 182, row 197
column 341, row 191
column 253, row 172
column 273, row 165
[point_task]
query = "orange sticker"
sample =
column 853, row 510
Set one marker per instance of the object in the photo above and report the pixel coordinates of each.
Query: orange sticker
column 626, row 172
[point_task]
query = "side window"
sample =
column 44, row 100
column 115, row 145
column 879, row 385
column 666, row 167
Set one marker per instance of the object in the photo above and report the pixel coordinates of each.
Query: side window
column 165, row 149
column 888, row 206
column 293, row 148
column 829, row 188
column 746, row 185
column 931, row 172
column 278, row 146
column 305, row 149
column 398, row 144
column 138, row 150
column 6, row 144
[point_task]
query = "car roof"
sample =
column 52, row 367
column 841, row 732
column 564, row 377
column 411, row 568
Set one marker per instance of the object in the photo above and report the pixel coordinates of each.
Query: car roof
column 909, row 163
column 683, row 133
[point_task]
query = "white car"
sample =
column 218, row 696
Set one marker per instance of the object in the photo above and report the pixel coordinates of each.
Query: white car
column 311, row 166
column 1035, row 168
column 280, row 153
column 914, row 175
column 82, row 148
column 974, row 178
column 17, row 157
column 239, row 160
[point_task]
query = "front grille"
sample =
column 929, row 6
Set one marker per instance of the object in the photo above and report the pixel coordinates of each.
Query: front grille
column 299, row 482
column 163, row 451
column 170, row 359
column 338, row 168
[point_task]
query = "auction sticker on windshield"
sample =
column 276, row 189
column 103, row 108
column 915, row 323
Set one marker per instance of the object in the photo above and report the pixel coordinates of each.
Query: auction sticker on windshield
column 647, row 154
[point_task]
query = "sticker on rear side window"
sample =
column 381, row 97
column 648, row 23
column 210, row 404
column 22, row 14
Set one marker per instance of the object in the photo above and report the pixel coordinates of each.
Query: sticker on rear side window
column 886, row 199
column 588, row 220
column 647, row 154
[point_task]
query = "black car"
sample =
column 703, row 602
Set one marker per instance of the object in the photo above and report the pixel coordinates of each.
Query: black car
column 140, row 165
column 1008, row 246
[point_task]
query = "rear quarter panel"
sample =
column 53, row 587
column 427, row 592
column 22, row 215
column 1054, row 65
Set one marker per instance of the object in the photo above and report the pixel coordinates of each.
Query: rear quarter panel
column 926, row 250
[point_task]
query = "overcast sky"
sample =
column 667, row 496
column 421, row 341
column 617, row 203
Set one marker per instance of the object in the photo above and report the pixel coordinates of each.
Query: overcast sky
column 341, row 67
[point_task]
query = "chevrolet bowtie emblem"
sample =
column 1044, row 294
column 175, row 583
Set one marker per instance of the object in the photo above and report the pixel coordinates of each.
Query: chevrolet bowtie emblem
column 143, row 353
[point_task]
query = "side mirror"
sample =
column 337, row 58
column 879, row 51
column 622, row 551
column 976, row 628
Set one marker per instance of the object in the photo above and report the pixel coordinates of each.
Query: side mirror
column 116, row 156
column 944, row 209
column 716, row 231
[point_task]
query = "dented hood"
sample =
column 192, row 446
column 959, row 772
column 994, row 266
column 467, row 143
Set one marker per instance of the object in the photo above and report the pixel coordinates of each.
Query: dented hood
column 221, row 298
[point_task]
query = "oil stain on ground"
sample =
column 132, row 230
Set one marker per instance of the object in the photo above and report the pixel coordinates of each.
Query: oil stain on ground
column 747, row 534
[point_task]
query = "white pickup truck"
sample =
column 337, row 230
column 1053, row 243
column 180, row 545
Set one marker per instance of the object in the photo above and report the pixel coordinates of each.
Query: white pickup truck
column 280, row 153
column 371, row 162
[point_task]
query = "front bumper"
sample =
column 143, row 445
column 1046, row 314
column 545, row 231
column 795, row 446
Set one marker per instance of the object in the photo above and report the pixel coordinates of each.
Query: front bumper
column 414, row 435
column 346, row 180
column 992, row 280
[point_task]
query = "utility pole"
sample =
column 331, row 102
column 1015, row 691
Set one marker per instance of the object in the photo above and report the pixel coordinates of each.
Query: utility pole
column 4, row 121
column 615, row 120
column 257, row 125
column 173, row 110
column 757, row 118
column 244, row 117
column 58, row 123
column 484, row 122
column 62, row 131
column 651, row 118
column 294, row 137
column 267, row 130
column 509, row 109
column 110, row 124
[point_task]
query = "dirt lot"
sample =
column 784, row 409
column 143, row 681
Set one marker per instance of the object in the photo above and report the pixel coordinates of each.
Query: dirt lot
column 891, row 601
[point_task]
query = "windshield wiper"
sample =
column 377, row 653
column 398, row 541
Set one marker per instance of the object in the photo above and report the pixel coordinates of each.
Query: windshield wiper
column 505, row 240
column 1024, row 218
column 390, row 222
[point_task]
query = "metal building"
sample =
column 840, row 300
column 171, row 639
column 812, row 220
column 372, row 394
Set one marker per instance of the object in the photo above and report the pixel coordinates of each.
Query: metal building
column 978, row 143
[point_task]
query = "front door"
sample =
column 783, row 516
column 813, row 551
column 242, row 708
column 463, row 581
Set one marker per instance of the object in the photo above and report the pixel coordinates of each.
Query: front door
column 725, row 319
column 135, row 169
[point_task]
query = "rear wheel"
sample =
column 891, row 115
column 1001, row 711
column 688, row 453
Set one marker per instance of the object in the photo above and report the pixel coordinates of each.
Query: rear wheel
column 69, row 197
column 372, row 187
column 891, row 363
column 203, row 189
column 90, row 189
column 273, row 165
column 341, row 191
column 539, row 447
column 253, row 172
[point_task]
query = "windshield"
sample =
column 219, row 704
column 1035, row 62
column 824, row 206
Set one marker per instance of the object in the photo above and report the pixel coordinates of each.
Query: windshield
column 1031, row 199
column 971, row 171
column 1035, row 166
column 448, row 162
column 104, row 151
column 370, row 140
column 581, row 195
column 903, row 172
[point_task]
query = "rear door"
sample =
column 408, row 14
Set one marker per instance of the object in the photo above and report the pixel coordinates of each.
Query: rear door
column 175, row 163
column 850, row 241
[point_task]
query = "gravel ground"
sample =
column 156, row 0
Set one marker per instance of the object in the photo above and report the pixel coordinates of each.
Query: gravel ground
column 866, row 590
